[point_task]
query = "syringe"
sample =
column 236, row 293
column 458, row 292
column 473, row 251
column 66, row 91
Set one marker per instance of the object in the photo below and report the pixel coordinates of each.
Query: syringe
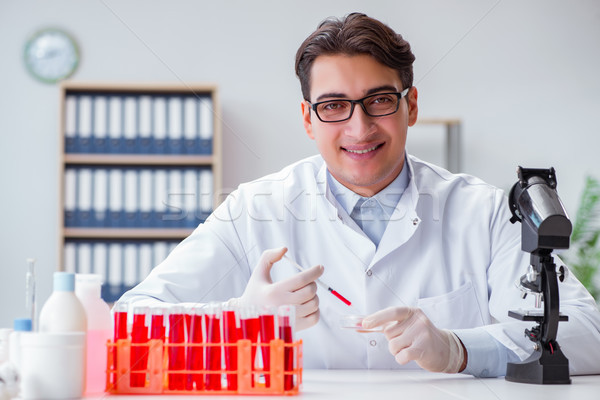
column 30, row 291
column 320, row 282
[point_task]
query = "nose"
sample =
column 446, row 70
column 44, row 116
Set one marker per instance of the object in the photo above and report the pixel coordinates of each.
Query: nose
column 359, row 125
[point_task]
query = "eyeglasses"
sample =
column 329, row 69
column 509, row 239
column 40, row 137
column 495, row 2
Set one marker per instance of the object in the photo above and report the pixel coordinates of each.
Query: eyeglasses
column 375, row 105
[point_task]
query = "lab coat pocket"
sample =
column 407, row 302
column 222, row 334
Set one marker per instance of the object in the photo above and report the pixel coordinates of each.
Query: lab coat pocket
column 457, row 309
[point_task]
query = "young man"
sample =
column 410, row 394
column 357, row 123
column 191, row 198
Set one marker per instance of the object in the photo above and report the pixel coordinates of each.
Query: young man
column 429, row 256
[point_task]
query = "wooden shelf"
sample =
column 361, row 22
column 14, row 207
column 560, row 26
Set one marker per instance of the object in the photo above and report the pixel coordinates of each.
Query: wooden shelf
column 138, row 159
column 125, row 233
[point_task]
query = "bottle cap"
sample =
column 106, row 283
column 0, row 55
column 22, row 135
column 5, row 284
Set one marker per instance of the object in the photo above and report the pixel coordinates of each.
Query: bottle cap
column 88, row 285
column 22, row 325
column 64, row 281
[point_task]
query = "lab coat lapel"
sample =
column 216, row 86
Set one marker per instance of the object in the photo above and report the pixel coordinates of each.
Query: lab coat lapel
column 358, row 247
column 402, row 225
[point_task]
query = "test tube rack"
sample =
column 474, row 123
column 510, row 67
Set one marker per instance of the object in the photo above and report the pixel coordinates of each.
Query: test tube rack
column 157, row 374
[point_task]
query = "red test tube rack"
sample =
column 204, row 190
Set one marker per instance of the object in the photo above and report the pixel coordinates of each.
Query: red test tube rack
column 183, row 363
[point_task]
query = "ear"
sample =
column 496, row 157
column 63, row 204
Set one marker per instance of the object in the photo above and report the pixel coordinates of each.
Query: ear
column 413, row 108
column 306, row 119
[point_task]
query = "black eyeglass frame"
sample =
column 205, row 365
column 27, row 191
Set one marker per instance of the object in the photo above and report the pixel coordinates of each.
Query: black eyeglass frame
column 400, row 95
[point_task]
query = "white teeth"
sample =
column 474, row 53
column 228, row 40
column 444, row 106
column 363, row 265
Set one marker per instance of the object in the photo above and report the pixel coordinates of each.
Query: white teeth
column 361, row 151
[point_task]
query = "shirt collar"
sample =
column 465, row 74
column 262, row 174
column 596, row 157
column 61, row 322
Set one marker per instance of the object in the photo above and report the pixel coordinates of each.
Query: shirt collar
column 388, row 198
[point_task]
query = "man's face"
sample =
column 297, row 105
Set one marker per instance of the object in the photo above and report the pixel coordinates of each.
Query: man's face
column 363, row 153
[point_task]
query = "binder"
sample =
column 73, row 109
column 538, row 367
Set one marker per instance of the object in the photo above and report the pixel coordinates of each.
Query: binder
column 100, row 260
column 114, row 287
column 145, row 260
column 70, row 123
column 206, row 126
column 84, row 258
column 115, row 128
column 131, row 188
column 160, row 125
column 190, row 200
column 115, row 204
column 175, row 133
column 84, row 124
column 175, row 214
column 100, row 123
column 160, row 198
column 83, row 214
column 190, row 125
column 130, row 266
column 100, row 201
column 145, row 124
column 69, row 258
column 70, row 200
column 130, row 125
column 206, row 193
column 146, row 197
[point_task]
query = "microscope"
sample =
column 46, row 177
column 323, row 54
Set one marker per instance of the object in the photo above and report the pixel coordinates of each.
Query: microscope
column 545, row 226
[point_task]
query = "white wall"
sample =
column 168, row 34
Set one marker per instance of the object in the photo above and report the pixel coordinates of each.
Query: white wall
column 522, row 76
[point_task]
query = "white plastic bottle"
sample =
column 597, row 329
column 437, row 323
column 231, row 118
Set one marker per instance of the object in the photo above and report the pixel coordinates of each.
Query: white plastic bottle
column 63, row 312
column 99, row 330
column 14, row 350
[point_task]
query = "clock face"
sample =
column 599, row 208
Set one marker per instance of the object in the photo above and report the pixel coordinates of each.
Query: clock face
column 51, row 55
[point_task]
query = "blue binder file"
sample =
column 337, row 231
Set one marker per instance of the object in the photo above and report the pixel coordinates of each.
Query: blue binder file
column 100, row 123
column 115, row 197
column 84, row 124
column 175, row 124
column 70, row 197
column 70, row 119
column 115, row 127
column 100, row 199
column 145, row 129
column 190, row 125
column 160, row 125
column 131, row 188
column 146, row 200
column 206, row 126
column 130, row 125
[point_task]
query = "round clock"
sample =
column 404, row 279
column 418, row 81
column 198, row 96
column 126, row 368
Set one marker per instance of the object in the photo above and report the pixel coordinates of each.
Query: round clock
column 51, row 55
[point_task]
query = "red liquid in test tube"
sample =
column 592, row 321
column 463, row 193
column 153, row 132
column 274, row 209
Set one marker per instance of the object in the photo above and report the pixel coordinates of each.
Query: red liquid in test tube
column 250, row 328
column 120, row 331
column 213, row 352
column 157, row 323
column 195, row 354
column 286, row 320
column 230, row 336
column 267, row 333
column 177, row 349
column 139, row 350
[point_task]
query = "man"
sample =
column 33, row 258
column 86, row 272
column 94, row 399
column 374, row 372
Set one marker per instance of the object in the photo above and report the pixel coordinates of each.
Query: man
column 429, row 256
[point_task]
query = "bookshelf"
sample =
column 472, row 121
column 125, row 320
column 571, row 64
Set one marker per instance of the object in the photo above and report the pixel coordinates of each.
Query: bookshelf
column 140, row 168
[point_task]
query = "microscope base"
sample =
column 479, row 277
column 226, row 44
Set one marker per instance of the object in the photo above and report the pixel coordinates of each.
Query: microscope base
column 542, row 367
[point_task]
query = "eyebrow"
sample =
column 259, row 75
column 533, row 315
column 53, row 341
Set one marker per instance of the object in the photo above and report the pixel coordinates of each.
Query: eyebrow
column 338, row 95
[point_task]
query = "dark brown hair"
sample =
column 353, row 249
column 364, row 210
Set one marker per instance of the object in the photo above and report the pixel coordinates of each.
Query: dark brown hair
column 352, row 35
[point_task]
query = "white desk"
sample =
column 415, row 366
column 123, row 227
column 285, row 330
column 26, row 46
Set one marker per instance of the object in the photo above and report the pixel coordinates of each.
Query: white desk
column 409, row 384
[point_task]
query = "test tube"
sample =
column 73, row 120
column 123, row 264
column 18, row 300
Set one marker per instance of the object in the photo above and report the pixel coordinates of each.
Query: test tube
column 30, row 292
column 176, row 348
column 157, row 323
column 120, row 332
column 267, row 333
column 213, row 351
column 230, row 337
column 139, row 348
column 250, row 324
column 286, row 318
column 195, row 351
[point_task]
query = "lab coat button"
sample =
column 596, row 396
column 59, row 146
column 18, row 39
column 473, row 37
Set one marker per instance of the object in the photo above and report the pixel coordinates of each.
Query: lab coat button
column 373, row 343
column 415, row 221
column 369, row 273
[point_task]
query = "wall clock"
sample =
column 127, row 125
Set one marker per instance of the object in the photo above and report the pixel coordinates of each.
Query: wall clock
column 51, row 55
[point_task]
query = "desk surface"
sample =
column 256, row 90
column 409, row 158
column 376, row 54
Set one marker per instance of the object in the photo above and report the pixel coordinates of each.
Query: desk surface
column 409, row 384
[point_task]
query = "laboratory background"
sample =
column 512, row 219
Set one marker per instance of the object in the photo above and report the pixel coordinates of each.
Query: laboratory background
column 520, row 77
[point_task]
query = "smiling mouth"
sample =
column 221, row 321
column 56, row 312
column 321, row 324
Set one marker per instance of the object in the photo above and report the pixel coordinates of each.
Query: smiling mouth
column 363, row 151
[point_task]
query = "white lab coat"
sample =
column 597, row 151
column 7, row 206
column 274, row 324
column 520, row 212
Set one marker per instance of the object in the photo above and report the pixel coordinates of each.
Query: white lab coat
column 449, row 249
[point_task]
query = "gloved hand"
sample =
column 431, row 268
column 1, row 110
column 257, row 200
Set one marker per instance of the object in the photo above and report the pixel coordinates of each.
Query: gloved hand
column 412, row 336
column 299, row 290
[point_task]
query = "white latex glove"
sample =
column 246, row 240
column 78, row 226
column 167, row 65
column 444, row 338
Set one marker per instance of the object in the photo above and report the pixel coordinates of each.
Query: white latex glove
column 412, row 336
column 300, row 290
